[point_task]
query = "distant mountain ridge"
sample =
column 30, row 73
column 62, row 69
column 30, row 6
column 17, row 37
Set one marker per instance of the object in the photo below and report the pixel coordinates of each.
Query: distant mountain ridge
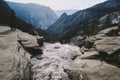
column 5, row 13
column 70, row 24
column 35, row 14
column 69, row 12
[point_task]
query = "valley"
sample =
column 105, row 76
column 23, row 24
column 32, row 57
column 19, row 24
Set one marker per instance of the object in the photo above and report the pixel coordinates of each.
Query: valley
column 78, row 45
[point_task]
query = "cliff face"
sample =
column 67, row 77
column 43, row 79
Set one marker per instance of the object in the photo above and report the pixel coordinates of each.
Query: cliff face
column 71, row 22
column 35, row 14
column 112, row 18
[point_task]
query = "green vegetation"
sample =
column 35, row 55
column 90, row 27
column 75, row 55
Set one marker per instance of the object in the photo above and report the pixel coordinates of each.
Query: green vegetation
column 90, row 28
column 88, row 44
column 119, row 22
column 86, row 29
column 94, row 25
column 119, row 26
column 12, row 20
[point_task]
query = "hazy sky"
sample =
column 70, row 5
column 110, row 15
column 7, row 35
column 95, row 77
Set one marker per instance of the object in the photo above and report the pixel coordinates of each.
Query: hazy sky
column 63, row 4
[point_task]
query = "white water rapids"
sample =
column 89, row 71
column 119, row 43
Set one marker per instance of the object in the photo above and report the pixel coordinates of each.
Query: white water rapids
column 56, row 57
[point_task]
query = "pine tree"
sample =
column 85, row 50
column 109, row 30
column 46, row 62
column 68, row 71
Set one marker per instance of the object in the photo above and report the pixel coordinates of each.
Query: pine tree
column 94, row 25
column 119, row 20
column 86, row 29
column 13, row 19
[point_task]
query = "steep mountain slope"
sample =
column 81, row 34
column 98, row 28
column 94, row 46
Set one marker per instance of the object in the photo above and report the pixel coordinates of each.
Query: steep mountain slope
column 5, row 12
column 69, row 12
column 37, row 15
column 70, row 24
column 112, row 18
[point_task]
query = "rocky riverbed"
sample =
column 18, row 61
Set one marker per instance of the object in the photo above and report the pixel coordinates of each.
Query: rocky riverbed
column 56, row 61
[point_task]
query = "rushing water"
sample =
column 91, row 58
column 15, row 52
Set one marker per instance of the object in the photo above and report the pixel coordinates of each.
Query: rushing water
column 56, row 57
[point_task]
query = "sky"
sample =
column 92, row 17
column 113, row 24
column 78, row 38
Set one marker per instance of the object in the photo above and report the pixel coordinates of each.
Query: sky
column 63, row 4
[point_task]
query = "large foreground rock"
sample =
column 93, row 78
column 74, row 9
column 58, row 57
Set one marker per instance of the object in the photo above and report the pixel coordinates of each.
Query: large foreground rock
column 108, row 32
column 95, row 71
column 14, row 60
column 108, row 44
